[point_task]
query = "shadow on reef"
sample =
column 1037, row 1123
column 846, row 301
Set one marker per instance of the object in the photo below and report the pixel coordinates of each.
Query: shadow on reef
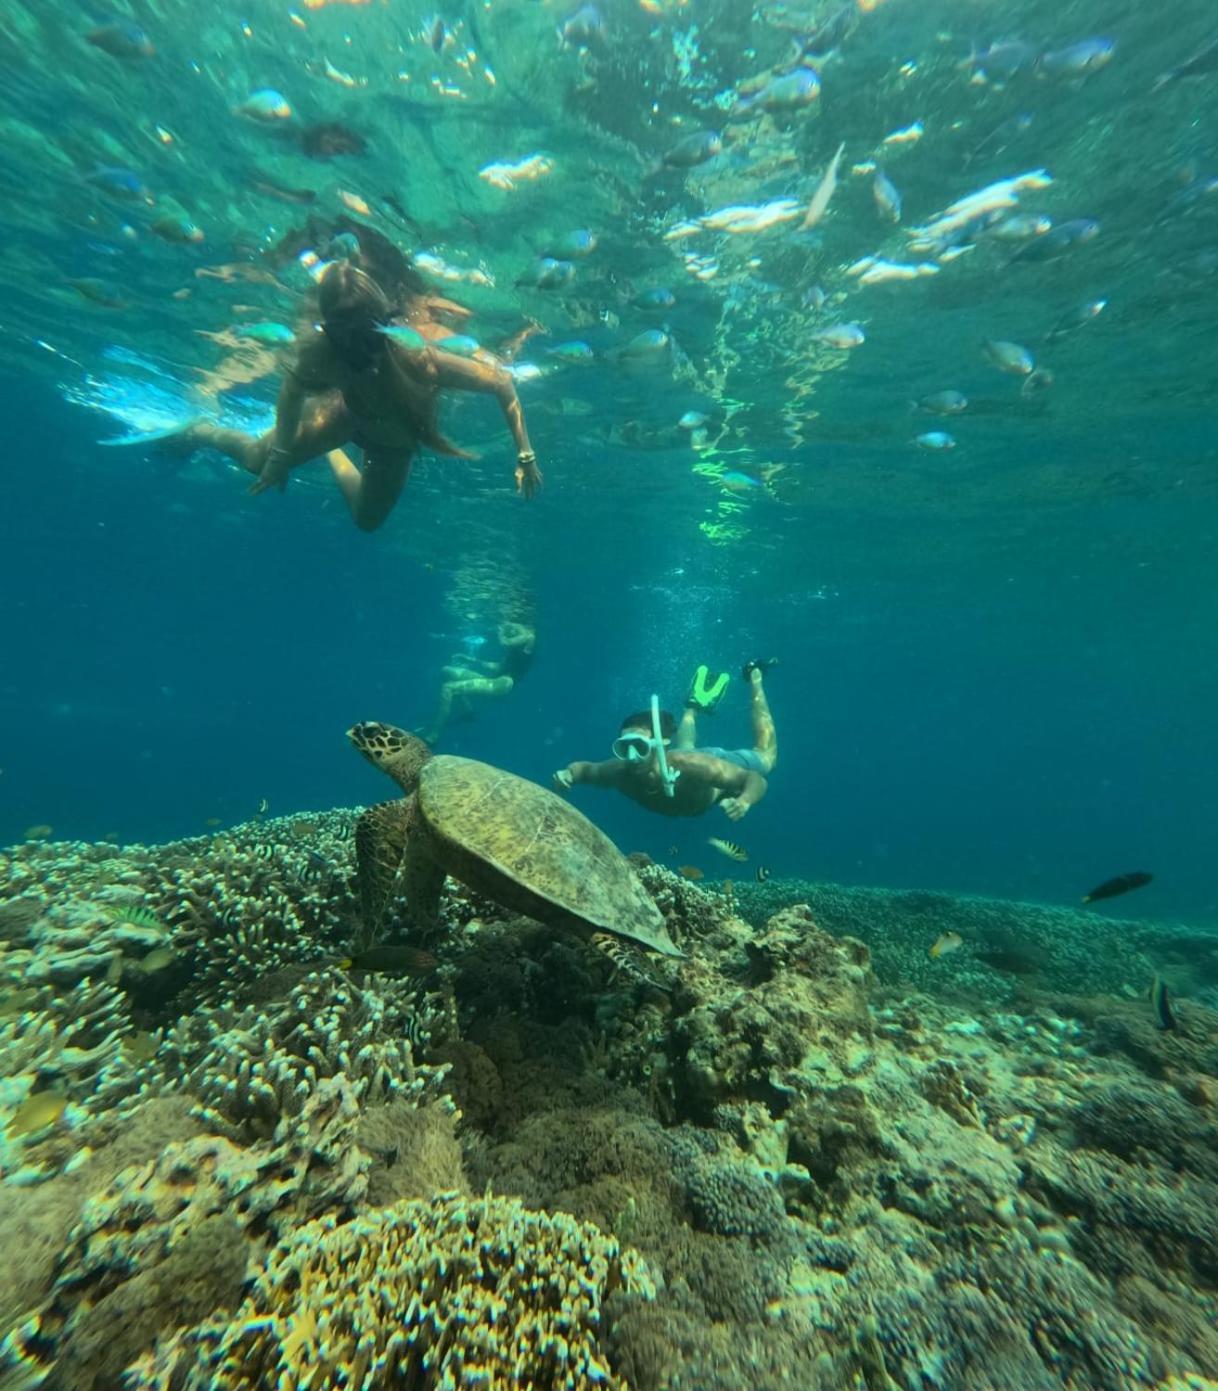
column 232, row 1161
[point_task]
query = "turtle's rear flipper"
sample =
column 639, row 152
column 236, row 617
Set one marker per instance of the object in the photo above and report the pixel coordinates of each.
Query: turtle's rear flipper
column 380, row 843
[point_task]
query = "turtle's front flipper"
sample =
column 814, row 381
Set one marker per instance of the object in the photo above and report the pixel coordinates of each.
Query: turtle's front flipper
column 422, row 881
column 380, row 841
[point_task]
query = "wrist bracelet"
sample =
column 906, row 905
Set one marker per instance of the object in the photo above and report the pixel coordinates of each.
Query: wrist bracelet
column 526, row 456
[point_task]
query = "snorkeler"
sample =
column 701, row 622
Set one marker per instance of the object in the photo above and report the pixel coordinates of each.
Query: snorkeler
column 468, row 679
column 352, row 382
column 676, row 778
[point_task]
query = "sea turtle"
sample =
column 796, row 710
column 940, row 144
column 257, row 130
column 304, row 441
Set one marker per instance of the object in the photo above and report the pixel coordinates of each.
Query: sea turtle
column 510, row 839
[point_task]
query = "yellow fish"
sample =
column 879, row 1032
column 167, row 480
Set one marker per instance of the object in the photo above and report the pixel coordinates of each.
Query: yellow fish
column 37, row 1111
column 729, row 848
column 690, row 872
column 946, row 942
column 38, row 832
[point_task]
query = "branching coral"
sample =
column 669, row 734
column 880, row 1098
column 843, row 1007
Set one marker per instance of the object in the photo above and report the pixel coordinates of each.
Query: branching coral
column 454, row 1292
column 257, row 1064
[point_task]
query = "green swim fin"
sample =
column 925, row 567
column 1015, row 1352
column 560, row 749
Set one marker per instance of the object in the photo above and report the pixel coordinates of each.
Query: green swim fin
column 706, row 691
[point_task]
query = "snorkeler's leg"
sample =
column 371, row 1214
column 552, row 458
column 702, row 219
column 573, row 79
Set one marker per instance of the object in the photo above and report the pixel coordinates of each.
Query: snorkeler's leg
column 324, row 425
column 371, row 493
column 461, row 693
column 687, row 730
column 765, row 739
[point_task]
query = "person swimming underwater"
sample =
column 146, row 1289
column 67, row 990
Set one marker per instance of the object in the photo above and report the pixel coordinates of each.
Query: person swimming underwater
column 735, row 779
column 351, row 382
column 469, row 679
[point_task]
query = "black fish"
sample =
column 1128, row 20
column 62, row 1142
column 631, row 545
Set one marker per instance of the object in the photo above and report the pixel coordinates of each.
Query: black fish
column 272, row 188
column 329, row 138
column 762, row 874
column 1122, row 884
column 1205, row 60
column 1161, row 1004
column 390, row 961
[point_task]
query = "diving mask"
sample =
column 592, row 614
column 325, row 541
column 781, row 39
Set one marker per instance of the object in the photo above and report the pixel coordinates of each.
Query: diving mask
column 634, row 747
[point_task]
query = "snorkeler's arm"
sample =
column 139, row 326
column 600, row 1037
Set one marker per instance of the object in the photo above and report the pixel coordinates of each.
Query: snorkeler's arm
column 751, row 792
column 604, row 774
column 491, row 378
column 738, row 788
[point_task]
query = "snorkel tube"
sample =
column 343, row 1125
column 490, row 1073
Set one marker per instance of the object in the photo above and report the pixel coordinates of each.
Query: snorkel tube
column 667, row 775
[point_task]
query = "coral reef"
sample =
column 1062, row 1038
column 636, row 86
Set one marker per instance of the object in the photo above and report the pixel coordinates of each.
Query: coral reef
column 447, row 1292
column 844, row 1164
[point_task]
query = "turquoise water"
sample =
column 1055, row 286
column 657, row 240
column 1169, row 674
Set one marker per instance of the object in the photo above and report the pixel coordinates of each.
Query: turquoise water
column 996, row 669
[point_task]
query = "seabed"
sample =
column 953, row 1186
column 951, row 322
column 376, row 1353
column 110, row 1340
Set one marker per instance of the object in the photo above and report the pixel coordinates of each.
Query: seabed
column 810, row 1155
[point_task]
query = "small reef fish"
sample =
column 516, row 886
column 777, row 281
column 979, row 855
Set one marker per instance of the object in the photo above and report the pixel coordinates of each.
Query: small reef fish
column 995, row 197
column 506, row 175
column 787, row 93
column 98, row 292
column 728, row 848
column 738, row 218
column 39, row 832
column 179, row 230
column 390, row 961
column 265, row 105
column 943, row 944
column 122, row 40
column 1077, row 59
column 935, row 440
column 1075, row 318
column 872, row 270
column 459, row 344
column 887, row 197
column 285, row 193
column 1057, row 241
column 649, row 346
column 1019, row 227
column 690, row 872
column 267, row 332
column 691, row 150
column 571, row 245
column 1009, row 357
column 263, row 806
column 907, row 135
column 736, row 481
column 944, row 402
column 762, row 874
column 661, row 297
column 1121, row 884
column 120, row 183
column 36, row 1112
column 212, row 822
column 574, row 351
column 548, row 273
column 1160, row 1002
column 825, row 190
column 842, row 336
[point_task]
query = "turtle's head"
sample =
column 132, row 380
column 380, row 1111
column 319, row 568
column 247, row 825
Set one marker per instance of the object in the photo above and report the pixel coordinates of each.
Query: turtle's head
column 392, row 750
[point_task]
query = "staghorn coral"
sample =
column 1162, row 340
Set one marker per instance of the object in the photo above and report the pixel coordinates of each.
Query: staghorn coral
column 257, row 1064
column 449, row 1292
column 225, row 909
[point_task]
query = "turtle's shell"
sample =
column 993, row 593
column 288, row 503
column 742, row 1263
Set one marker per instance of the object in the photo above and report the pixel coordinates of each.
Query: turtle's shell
column 527, row 848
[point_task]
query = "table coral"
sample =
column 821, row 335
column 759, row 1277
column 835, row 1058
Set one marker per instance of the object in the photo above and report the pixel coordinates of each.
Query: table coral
column 451, row 1292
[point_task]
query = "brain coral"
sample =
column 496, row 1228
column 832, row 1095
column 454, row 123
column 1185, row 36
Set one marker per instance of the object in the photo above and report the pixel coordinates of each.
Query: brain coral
column 451, row 1292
